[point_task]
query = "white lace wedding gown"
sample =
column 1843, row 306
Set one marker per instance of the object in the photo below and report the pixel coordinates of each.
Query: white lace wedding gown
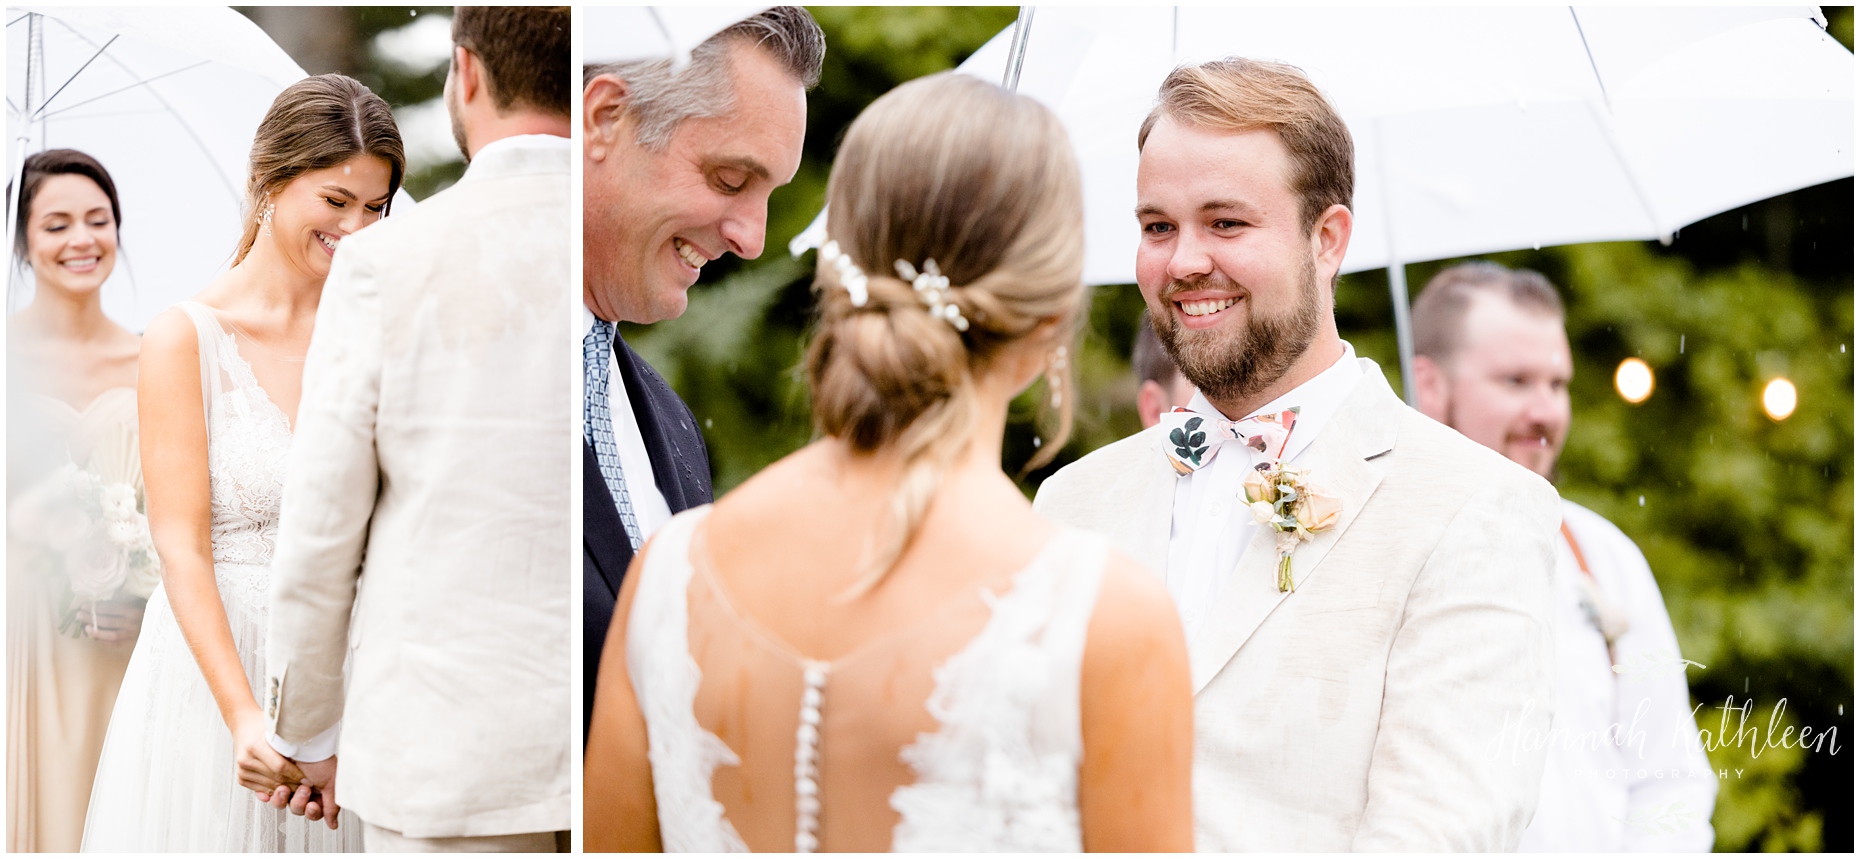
column 957, row 732
column 165, row 781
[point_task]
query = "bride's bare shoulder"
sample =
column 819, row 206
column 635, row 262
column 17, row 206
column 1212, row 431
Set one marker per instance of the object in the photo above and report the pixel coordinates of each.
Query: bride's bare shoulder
column 776, row 487
column 170, row 357
column 170, row 335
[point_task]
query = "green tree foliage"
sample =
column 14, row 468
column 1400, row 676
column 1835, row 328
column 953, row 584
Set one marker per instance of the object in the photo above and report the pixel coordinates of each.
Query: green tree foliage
column 1747, row 522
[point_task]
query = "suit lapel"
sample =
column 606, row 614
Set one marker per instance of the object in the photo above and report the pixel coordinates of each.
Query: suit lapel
column 670, row 470
column 1341, row 461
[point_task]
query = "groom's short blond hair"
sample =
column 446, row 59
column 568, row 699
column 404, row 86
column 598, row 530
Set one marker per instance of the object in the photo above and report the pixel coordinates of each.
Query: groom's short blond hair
column 1238, row 94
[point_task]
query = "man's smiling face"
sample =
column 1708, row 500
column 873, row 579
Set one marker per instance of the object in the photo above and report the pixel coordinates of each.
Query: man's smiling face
column 1229, row 270
column 654, row 218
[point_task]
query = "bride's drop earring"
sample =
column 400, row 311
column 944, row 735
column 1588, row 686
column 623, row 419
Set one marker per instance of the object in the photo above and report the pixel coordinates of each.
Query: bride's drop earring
column 1056, row 375
column 266, row 217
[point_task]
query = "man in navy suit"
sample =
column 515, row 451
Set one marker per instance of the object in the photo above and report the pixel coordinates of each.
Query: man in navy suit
column 678, row 167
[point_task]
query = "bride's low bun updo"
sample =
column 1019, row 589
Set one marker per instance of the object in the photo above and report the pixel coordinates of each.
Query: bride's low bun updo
column 983, row 182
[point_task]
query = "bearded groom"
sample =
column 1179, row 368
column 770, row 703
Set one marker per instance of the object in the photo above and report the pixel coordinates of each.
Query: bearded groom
column 1369, row 617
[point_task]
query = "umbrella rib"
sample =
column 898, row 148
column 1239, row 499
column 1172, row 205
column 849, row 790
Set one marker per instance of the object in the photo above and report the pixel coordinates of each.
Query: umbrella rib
column 189, row 129
column 40, row 113
column 19, row 19
column 124, row 89
column 1586, row 51
column 1627, row 170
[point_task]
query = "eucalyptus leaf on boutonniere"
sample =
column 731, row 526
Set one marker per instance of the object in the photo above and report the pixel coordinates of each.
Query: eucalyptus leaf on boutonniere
column 1284, row 498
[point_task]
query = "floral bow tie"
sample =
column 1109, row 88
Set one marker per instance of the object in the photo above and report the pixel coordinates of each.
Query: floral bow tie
column 1193, row 439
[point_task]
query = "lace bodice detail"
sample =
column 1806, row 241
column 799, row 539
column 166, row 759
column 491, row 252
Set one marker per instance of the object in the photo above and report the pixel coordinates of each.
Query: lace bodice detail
column 998, row 773
column 248, row 448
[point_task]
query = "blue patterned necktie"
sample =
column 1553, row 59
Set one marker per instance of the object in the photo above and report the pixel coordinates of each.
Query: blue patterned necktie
column 596, row 424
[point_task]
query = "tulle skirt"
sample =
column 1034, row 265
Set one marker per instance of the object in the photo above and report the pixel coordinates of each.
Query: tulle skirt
column 166, row 781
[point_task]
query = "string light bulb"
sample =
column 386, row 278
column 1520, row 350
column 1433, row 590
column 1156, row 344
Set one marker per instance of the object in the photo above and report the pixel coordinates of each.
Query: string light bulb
column 1779, row 399
column 1634, row 380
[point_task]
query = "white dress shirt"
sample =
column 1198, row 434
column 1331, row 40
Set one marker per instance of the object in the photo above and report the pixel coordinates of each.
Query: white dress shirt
column 1211, row 525
column 1625, row 770
column 649, row 507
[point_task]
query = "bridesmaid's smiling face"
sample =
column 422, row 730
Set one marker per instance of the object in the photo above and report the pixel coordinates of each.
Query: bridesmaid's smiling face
column 71, row 234
column 316, row 210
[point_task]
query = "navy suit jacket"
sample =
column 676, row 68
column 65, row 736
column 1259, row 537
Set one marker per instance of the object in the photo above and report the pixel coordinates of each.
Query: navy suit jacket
column 680, row 468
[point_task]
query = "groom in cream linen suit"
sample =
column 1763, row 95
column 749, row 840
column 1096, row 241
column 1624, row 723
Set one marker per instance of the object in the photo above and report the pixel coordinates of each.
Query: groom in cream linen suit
column 1396, row 696
column 428, row 492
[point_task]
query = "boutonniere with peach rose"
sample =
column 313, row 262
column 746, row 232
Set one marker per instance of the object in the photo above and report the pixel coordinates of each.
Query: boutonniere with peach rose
column 1285, row 498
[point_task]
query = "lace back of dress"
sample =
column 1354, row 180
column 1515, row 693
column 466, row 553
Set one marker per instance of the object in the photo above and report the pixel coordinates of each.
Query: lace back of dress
column 986, row 759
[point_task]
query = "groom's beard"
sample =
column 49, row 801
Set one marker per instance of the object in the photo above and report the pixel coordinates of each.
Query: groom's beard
column 1236, row 367
column 458, row 128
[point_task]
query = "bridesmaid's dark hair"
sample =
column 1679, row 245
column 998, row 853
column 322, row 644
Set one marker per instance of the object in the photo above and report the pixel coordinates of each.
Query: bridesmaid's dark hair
column 315, row 123
column 57, row 162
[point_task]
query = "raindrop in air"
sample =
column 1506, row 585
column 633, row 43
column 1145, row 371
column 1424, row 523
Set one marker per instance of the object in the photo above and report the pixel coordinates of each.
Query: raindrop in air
column 1036, row 442
column 1643, row 501
column 1682, row 344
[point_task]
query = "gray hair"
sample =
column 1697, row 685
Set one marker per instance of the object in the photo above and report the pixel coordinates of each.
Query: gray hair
column 1440, row 311
column 660, row 99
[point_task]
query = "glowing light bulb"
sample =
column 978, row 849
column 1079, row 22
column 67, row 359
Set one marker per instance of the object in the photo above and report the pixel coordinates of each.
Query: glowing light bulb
column 1634, row 380
column 1779, row 398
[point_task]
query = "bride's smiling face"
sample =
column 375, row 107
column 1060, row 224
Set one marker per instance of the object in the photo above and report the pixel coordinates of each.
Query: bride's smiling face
column 316, row 210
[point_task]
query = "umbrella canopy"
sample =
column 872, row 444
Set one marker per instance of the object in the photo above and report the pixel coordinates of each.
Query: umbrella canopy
column 611, row 34
column 167, row 100
column 1477, row 129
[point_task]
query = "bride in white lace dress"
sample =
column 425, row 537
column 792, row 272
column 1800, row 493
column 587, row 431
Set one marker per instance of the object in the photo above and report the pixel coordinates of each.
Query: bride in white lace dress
column 187, row 754
column 875, row 643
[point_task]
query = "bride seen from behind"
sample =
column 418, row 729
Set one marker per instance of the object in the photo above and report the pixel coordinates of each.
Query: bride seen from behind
column 930, row 665
column 219, row 388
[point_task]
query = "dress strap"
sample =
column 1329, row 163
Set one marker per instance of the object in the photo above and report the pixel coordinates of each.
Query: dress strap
column 208, row 335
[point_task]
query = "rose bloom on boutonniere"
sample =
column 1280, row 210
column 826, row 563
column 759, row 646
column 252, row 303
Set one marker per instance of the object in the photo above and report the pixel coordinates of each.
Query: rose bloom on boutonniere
column 1284, row 498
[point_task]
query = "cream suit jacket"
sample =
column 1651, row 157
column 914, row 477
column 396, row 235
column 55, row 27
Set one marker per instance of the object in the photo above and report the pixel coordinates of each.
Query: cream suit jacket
column 1397, row 698
column 428, row 497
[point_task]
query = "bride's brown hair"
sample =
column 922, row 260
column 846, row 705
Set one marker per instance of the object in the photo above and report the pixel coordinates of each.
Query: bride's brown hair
column 317, row 122
column 983, row 181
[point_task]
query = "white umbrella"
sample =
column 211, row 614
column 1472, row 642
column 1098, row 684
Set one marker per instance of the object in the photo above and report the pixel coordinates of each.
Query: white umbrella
column 167, row 100
column 1477, row 129
column 611, row 34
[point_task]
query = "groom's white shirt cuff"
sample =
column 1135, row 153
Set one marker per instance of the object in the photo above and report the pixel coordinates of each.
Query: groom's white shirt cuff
column 318, row 748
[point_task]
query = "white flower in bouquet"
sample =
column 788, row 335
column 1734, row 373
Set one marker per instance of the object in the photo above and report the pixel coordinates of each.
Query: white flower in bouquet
column 118, row 500
column 127, row 534
column 97, row 568
column 144, row 574
column 65, row 523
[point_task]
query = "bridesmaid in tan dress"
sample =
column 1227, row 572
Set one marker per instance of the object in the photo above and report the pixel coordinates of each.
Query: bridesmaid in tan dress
column 71, row 402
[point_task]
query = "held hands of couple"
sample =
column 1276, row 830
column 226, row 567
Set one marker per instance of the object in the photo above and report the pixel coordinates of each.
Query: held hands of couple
column 308, row 789
column 315, row 796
